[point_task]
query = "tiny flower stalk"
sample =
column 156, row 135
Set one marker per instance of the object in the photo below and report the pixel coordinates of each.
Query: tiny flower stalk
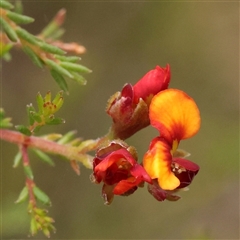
column 129, row 108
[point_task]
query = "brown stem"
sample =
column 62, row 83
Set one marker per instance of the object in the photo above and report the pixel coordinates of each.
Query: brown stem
column 25, row 155
column 68, row 151
column 29, row 182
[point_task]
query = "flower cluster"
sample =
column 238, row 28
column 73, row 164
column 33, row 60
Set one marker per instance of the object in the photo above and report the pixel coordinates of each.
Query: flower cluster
column 164, row 167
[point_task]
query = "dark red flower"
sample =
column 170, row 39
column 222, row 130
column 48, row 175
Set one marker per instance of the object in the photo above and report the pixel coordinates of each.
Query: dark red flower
column 129, row 108
column 119, row 172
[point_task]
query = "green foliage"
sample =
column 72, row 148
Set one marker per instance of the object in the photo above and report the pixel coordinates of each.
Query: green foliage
column 4, row 122
column 12, row 35
column 66, row 138
column 44, row 157
column 19, row 18
column 41, row 49
column 44, row 50
column 60, row 80
column 45, row 114
column 17, row 159
column 41, row 196
column 28, row 171
column 22, row 196
column 40, row 221
column 33, row 56
column 6, row 5
column 23, row 129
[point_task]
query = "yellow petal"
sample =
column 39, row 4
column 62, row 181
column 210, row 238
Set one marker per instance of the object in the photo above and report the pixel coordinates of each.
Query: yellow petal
column 174, row 114
column 157, row 162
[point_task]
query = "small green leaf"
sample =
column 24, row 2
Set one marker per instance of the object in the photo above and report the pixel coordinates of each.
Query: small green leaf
column 19, row 18
column 40, row 102
column 2, row 113
column 75, row 67
column 48, row 97
column 46, row 232
column 55, row 121
column 43, row 156
column 58, row 100
column 50, row 48
column 27, row 36
column 67, row 137
column 18, row 7
column 30, row 109
column 39, row 211
column 58, row 97
column 5, row 123
column 52, row 136
column 72, row 59
column 28, row 171
column 79, row 78
column 7, row 57
column 49, row 29
column 24, row 130
column 17, row 159
column 37, row 128
column 23, row 195
column 60, row 80
column 33, row 56
column 58, row 68
column 33, row 226
column 36, row 117
column 57, row 34
column 5, row 48
column 6, row 5
column 9, row 30
column 41, row 196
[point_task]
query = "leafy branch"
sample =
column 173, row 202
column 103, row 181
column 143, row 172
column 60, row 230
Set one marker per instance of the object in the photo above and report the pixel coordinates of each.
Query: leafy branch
column 73, row 149
column 44, row 49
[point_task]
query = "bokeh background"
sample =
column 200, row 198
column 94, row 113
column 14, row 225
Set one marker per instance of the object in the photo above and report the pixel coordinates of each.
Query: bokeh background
column 124, row 40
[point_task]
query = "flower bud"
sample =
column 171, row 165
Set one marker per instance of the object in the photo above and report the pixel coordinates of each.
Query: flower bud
column 151, row 83
column 129, row 108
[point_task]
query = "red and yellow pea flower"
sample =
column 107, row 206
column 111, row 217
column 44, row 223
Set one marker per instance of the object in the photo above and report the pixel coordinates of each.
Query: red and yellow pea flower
column 164, row 168
column 177, row 117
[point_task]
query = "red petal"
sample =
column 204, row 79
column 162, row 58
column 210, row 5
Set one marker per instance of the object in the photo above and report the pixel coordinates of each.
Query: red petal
column 139, row 172
column 125, row 185
column 186, row 177
column 114, row 157
column 191, row 166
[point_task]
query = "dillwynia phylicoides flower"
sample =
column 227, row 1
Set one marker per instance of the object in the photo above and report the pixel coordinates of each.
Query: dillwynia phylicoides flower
column 116, row 166
column 174, row 114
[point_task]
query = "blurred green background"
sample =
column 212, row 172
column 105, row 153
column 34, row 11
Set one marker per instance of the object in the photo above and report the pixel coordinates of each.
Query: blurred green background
column 124, row 40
